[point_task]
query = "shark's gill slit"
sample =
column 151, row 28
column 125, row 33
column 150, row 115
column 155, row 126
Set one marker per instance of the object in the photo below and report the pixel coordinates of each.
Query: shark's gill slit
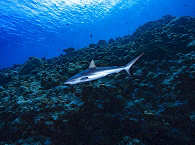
column 84, row 78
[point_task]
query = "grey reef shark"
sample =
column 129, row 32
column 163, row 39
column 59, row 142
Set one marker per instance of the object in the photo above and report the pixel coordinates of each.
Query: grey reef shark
column 94, row 73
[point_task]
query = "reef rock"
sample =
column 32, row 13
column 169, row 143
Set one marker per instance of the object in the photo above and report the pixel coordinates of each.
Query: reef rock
column 4, row 78
column 102, row 43
column 33, row 65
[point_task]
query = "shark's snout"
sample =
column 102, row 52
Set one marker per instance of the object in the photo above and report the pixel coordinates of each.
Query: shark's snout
column 71, row 82
column 67, row 82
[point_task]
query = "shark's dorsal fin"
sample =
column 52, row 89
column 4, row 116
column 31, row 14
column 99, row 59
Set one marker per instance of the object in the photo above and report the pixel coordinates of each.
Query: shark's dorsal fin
column 92, row 64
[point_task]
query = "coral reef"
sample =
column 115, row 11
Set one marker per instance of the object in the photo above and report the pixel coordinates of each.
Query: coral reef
column 155, row 106
column 33, row 65
column 69, row 50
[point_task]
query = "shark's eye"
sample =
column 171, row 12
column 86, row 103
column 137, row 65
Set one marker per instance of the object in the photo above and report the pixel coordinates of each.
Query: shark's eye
column 84, row 78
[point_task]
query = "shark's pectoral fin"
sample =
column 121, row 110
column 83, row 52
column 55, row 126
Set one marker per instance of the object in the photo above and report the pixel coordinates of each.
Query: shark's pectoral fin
column 108, row 75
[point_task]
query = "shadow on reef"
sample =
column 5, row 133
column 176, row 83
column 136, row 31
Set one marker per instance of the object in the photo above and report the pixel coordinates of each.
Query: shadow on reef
column 155, row 106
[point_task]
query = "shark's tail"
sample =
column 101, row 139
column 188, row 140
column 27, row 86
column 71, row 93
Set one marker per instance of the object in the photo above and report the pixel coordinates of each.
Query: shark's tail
column 128, row 66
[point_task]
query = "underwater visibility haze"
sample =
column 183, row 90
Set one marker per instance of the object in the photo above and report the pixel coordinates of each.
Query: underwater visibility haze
column 46, row 47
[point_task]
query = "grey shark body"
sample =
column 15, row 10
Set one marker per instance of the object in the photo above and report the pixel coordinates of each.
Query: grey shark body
column 94, row 73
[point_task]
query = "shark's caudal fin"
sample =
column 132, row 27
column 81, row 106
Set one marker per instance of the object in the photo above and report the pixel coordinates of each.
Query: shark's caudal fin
column 128, row 66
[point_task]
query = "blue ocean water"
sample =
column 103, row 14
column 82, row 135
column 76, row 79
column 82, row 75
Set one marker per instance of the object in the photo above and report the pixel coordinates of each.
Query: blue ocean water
column 43, row 28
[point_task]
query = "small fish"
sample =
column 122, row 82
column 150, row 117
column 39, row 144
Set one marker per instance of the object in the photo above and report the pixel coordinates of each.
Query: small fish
column 91, row 36
column 93, row 72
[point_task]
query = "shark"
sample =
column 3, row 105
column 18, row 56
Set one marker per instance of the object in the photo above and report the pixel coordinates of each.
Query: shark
column 94, row 73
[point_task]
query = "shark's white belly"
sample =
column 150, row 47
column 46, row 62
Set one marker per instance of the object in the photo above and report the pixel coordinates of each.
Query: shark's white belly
column 104, row 73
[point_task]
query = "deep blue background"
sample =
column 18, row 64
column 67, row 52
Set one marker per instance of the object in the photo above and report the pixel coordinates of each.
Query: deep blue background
column 43, row 28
